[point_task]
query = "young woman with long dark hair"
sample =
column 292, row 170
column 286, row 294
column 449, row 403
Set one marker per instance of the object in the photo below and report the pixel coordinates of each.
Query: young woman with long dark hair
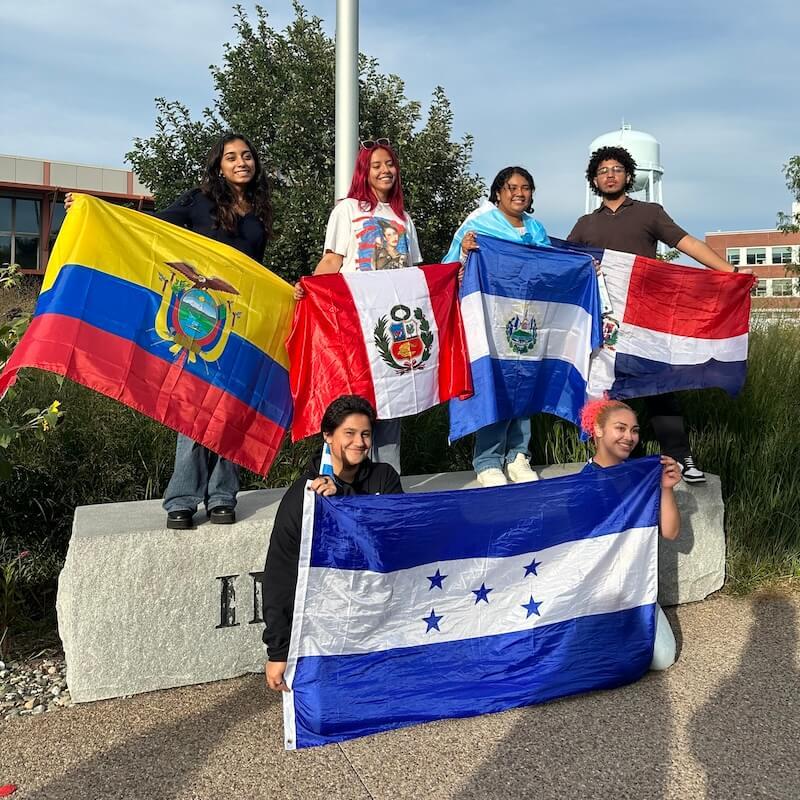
column 232, row 205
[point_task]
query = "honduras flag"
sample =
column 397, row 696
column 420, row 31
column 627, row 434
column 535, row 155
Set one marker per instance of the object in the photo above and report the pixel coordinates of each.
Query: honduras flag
column 412, row 608
column 532, row 317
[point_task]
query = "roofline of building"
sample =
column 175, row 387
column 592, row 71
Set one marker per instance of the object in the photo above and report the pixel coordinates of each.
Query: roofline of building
column 47, row 187
column 731, row 233
column 69, row 163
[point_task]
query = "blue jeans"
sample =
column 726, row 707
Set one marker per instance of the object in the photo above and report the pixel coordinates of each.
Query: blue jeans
column 200, row 476
column 386, row 443
column 501, row 443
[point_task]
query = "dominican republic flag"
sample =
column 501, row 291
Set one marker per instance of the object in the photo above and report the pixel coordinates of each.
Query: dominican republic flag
column 411, row 608
column 670, row 327
column 392, row 336
column 532, row 316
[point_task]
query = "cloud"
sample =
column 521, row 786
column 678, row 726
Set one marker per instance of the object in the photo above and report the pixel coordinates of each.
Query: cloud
column 534, row 84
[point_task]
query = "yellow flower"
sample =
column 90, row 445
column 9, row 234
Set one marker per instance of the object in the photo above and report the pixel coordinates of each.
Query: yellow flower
column 54, row 407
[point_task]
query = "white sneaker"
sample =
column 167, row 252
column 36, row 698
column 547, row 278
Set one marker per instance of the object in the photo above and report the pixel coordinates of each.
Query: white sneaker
column 691, row 473
column 519, row 470
column 492, row 477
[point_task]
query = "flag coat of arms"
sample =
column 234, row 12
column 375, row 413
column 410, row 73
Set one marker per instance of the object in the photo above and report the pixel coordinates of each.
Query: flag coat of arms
column 532, row 317
column 392, row 336
column 182, row 328
column 411, row 608
column 670, row 327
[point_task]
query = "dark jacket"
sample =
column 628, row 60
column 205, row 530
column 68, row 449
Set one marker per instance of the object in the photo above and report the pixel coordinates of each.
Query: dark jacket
column 197, row 212
column 280, row 570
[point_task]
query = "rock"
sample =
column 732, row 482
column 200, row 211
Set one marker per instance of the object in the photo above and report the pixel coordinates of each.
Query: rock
column 29, row 704
column 13, row 713
column 52, row 671
column 55, row 691
column 4, row 673
column 37, row 710
column 143, row 608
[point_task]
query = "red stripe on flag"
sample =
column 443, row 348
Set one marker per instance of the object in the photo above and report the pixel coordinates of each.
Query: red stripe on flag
column 703, row 304
column 455, row 374
column 120, row 369
column 327, row 353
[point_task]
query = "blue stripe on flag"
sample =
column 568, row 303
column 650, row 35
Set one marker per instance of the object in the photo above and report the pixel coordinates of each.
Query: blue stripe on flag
column 511, row 389
column 339, row 697
column 529, row 272
column 385, row 533
column 642, row 377
column 128, row 310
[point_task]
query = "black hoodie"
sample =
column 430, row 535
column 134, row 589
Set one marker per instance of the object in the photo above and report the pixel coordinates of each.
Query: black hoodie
column 280, row 570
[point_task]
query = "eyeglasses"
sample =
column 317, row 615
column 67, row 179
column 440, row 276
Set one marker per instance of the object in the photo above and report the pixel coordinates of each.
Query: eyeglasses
column 368, row 144
column 614, row 170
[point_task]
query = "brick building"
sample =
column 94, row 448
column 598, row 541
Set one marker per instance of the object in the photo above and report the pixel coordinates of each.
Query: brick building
column 32, row 203
column 770, row 254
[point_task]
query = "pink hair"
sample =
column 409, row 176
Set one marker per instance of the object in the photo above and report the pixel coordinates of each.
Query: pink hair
column 596, row 412
column 361, row 190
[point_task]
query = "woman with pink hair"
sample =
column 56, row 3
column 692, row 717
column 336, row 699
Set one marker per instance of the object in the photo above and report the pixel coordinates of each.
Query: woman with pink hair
column 370, row 230
column 614, row 431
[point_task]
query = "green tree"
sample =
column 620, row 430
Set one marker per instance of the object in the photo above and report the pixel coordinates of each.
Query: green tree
column 277, row 87
column 790, row 223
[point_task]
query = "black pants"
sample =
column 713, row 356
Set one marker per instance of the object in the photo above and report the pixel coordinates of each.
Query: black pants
column 666, row 418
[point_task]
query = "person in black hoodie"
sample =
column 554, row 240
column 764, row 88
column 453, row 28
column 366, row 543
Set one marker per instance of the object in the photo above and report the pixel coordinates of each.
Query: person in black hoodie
column 347, row 429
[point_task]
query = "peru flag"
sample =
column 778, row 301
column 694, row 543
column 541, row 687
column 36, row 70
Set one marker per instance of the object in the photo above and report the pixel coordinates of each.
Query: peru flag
column 671, row 327
column 394, row 337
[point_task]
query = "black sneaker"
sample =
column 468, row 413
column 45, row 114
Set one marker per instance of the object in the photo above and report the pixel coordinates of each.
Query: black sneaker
column 222, row 515
column 691, row 473
column 180, row 520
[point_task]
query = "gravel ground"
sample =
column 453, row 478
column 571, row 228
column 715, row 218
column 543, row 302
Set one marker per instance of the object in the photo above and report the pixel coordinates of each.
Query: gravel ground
column 33, row 686
column 722, row 724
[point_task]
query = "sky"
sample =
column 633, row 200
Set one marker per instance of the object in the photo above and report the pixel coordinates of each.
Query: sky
column 534, row 84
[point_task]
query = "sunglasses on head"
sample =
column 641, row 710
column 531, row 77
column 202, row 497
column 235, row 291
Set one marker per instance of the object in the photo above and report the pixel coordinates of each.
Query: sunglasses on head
column 368, row 144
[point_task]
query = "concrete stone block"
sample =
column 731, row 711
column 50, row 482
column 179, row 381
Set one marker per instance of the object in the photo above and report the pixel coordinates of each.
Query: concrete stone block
column 141, row 607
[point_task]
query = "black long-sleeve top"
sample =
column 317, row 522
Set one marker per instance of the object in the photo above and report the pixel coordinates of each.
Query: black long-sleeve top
column 196, row 211
column 280, row 570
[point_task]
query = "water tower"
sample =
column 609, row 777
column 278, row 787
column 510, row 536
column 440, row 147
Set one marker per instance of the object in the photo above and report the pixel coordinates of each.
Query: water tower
column 645, row 150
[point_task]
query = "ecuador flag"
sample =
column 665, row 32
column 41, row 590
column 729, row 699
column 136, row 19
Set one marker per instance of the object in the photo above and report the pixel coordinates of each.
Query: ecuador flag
column 184, row 329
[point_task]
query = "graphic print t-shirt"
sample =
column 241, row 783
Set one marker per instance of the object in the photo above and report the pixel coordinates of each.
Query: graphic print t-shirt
column 370, row 240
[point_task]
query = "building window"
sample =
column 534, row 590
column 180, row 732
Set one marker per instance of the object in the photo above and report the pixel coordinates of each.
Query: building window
column 782, row 287
column 20, row 222
column 760, row 289
column 756, row 255
column 781, row 255
column 732, row 254
column 56, row 221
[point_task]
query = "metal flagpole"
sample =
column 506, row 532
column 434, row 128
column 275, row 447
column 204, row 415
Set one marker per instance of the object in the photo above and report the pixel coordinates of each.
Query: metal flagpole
column 346, row 93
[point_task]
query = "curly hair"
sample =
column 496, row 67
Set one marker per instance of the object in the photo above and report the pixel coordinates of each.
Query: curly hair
column 257, row 192
column 361, row 190
column 606, row 154
column 596, row 412
column 500, row 181
column 342, row 407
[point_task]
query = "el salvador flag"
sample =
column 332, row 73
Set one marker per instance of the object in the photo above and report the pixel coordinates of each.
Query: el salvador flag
column 412, row 608
column 532, row 317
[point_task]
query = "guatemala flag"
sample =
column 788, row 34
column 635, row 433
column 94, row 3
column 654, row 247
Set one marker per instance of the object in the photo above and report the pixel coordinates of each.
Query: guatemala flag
column 412, row 608
column 669, row 327
column 532, row 317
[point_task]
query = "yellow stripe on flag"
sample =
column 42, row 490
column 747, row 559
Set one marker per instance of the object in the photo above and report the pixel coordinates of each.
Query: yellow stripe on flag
column 152, row 253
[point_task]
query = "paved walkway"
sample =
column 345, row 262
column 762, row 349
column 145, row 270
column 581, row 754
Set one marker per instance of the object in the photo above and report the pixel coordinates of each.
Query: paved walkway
column 723, row 724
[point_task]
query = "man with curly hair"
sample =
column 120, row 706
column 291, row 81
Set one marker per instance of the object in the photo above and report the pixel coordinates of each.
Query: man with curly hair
column 631, row 226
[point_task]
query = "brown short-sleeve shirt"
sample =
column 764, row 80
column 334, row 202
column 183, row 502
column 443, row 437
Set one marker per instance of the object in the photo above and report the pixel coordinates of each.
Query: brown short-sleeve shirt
column 635, row 227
